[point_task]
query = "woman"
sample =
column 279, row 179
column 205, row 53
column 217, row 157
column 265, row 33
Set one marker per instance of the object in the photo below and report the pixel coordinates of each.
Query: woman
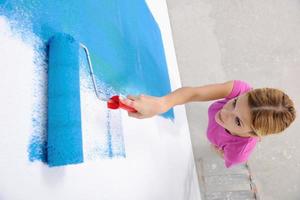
column 236, row 122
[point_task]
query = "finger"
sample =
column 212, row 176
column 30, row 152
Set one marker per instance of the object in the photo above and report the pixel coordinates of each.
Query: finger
column 128, row 102
column 135, row 115
column 131, row 97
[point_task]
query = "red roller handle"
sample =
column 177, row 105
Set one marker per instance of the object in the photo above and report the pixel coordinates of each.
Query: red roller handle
column 115, row 103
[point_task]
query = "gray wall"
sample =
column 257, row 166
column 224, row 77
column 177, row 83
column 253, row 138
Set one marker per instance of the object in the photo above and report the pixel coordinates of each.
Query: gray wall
column 256, row 41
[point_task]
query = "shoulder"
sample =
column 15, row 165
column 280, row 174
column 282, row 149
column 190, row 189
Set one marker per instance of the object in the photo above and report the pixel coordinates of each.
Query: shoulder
column 238, row 87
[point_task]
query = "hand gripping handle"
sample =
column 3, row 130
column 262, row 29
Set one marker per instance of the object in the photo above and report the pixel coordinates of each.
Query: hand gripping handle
column 115, row 103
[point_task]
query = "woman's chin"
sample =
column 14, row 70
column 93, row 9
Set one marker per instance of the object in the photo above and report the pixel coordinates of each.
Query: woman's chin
column 218, row 120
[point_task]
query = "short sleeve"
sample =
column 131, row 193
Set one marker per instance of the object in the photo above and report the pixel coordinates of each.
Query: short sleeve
column 237, row 153
column 231, row 157
column 239, row 88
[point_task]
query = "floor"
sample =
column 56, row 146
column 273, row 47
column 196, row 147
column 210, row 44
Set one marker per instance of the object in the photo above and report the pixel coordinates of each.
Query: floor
column 252, row 40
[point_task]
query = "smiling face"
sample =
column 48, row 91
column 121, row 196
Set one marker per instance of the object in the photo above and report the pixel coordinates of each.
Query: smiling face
column 235, row 117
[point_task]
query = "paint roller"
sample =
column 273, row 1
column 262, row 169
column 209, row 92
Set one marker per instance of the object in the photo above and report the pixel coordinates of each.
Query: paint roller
column 64, row 134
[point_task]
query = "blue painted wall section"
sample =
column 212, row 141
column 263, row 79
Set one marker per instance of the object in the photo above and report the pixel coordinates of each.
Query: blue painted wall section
column 123, row 38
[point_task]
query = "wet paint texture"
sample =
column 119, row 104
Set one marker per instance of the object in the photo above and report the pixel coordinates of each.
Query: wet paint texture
column 122, row 36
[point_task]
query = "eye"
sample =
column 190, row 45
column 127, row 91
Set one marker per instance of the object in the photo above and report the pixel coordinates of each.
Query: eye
column 237, row 121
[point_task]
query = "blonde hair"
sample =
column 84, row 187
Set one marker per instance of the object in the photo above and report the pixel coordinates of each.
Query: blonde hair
column 272, row 111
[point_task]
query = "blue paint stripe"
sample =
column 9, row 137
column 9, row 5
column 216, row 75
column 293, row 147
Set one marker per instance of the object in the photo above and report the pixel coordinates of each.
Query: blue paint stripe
column 109, row 142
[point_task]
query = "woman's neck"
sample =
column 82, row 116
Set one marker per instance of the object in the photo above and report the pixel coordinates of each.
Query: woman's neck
column 236, row 134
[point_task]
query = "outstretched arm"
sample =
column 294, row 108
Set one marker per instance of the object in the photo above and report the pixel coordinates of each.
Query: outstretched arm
column 148, row 106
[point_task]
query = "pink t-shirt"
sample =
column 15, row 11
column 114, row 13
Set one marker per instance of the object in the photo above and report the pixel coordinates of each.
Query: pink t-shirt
column 236, row 149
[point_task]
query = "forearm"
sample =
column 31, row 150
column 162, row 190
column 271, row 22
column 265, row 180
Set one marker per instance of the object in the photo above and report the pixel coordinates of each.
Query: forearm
column 203, row 93
column 178, row 97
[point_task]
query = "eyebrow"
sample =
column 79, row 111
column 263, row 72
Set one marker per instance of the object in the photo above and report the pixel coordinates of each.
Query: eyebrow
column 239, row 116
